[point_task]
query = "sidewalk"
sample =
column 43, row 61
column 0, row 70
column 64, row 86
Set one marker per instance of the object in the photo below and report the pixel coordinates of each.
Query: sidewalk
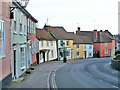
column 39, row 77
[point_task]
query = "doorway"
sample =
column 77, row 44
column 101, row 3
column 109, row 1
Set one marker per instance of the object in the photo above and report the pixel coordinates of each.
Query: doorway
column 43, row 56
column 37, row 56
column 85, row 54
column 15, row 59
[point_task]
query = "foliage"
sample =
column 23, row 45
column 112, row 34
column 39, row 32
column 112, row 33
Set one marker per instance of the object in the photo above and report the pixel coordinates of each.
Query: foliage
column 117, row 52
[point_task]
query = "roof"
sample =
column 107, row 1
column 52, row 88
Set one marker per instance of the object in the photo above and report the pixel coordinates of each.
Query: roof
column 80, row 39
column 59, row 32
column 102, row 36
column 42, row 34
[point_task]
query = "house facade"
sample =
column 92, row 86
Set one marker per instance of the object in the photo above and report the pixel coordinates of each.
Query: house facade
column 104, row 45
column 47, row 46
column 5, row 40
column 18, row 41
column 31, row 37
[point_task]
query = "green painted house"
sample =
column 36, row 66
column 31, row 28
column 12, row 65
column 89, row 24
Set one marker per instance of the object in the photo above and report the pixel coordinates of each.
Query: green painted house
column 18, row 40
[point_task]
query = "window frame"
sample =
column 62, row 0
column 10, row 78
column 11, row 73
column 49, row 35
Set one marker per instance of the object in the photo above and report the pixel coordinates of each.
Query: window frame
column 79, row 53
column 22, row 61
column 105, row 52
column 77, row 46
column 67, row 43
column 106, row 44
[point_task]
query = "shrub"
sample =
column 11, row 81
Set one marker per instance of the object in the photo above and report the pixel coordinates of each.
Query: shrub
column 117, row 52
column 118, row 56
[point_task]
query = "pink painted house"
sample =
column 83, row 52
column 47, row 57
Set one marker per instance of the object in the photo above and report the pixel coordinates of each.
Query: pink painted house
column 31, row 36
column 5, row 42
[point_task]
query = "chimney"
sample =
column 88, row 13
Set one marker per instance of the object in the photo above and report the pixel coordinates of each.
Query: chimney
column 78, row 28
column 95, row 35
column 100, row 30
column 47, row 28
column 106, row 31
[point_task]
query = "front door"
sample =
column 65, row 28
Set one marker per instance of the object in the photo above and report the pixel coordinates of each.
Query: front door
column 43, row 56
column 37, row 56
column 85, row 54
column 15, row 63
column 110, row 53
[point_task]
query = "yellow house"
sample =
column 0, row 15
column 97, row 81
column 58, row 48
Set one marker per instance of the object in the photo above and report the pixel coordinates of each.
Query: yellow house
column 69, row 49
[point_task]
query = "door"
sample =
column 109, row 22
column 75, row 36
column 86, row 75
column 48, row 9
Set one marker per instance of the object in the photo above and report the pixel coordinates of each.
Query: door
column 37, row 56
column 110, row 53
column 48, row 56
column 43, row 56
column 15, row 59
column 85, row 54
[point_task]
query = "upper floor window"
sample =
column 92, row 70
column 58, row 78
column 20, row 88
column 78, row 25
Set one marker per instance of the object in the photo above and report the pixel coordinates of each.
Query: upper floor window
column 28, row 26
column 15, row 15
column 47, row 43
column 61, row 43
column 21, row 28
column 15, row 30
column 84, row 46
column 67, row 43
column 2, row 38
column 25, row 30
column 106, row 44
column 52, row 53
column 21, row 18
column 78, row 46
column 90, row 47
column 42, row 43
column 51, row 43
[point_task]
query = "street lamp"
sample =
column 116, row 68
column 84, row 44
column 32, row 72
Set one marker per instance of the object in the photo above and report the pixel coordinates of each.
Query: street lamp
column 65, row 60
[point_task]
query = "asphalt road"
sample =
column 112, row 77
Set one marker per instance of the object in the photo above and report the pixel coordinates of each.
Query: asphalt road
column 91, row 73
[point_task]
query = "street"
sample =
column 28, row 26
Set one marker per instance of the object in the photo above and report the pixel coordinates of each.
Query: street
column 91, row 73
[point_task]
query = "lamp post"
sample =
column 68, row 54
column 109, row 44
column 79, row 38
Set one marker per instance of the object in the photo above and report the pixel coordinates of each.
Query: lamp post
column 65, row 60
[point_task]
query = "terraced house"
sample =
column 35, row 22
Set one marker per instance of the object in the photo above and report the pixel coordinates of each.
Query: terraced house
column 47, row 46
column 5, row 40
column 20, row 45
column 64, row 42
column 103, row 44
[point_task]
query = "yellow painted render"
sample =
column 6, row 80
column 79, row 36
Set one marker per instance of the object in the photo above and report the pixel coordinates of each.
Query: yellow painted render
column 75, row 51
column 71, row 46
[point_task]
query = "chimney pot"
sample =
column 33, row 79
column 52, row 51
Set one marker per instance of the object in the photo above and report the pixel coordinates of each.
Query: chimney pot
column 78, row 28
column 100, row 30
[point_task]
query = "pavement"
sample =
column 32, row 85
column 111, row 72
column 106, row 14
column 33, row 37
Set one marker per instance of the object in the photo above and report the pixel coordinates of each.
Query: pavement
column 39, row 78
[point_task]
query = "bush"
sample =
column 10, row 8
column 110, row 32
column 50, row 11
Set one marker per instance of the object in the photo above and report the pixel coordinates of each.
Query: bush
column 117, row 52
column 118, row 56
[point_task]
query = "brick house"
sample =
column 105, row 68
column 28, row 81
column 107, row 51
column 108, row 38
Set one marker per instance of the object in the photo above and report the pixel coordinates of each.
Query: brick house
column 5, row 40
column 31, row 36
column 104, row 45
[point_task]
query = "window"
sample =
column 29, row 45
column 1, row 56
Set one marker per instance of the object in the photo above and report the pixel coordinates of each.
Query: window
column 106, row 52
column 20, row 28
column 22, row 58
column 2, row 38
column 32, row 47
column 106, row 44
column 21, row 18
column 47, row 43
column 78, row 54
column 34, row 28
column 67, row 53
column 28, row 26
column 67, row 43
column 78, row 46
column 61, row 54
column 90, row 47
column 41, row 43
column 61, row 43
column 25, row 30
column 90, row 53
column 15, row 15
column 51, row 43
column 84, row 46
column 52, row 54
column 15, row 27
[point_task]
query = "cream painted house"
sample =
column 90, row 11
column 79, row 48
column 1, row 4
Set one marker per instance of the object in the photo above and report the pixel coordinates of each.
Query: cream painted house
column 47, row 46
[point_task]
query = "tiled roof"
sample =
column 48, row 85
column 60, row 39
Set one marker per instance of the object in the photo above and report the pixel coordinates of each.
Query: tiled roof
column 42, row 34
column 102, row 36
column 60, row 32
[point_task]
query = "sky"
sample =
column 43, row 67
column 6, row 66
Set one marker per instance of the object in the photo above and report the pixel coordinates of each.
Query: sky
column 86, row 14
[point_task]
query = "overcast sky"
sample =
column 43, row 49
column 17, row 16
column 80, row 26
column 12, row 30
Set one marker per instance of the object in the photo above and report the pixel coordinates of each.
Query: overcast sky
column 87, row 14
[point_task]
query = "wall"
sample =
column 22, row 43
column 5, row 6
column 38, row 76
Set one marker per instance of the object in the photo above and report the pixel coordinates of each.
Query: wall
column 75, row 50
column 5, row 70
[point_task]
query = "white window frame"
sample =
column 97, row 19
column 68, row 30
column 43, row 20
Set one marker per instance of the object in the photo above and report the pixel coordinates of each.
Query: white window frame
column 22, row 57
column 77, row 47
column 51, row 43
column 47, row 43
column 25, row 31
column 2, row 44
column 106, row 52
column 106, row 44
column 79, row 53
column 21, row 31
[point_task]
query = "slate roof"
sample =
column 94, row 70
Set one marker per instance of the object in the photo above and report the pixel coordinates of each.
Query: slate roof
column 102, row 37
column 42, row 34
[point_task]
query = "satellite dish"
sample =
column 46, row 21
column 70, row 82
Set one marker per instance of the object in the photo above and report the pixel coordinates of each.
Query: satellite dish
column 23, row 3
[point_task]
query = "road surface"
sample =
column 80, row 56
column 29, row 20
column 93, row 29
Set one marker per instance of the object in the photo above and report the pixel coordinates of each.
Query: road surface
column 91, row 73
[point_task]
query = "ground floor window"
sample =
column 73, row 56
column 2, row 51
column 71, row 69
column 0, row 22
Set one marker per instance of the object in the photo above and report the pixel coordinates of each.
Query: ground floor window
column 61, row 54
column 22, row 57
column 90, row 53
column 52, row 53
column 78, row 54
column 106, row 51
column 67, row 53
